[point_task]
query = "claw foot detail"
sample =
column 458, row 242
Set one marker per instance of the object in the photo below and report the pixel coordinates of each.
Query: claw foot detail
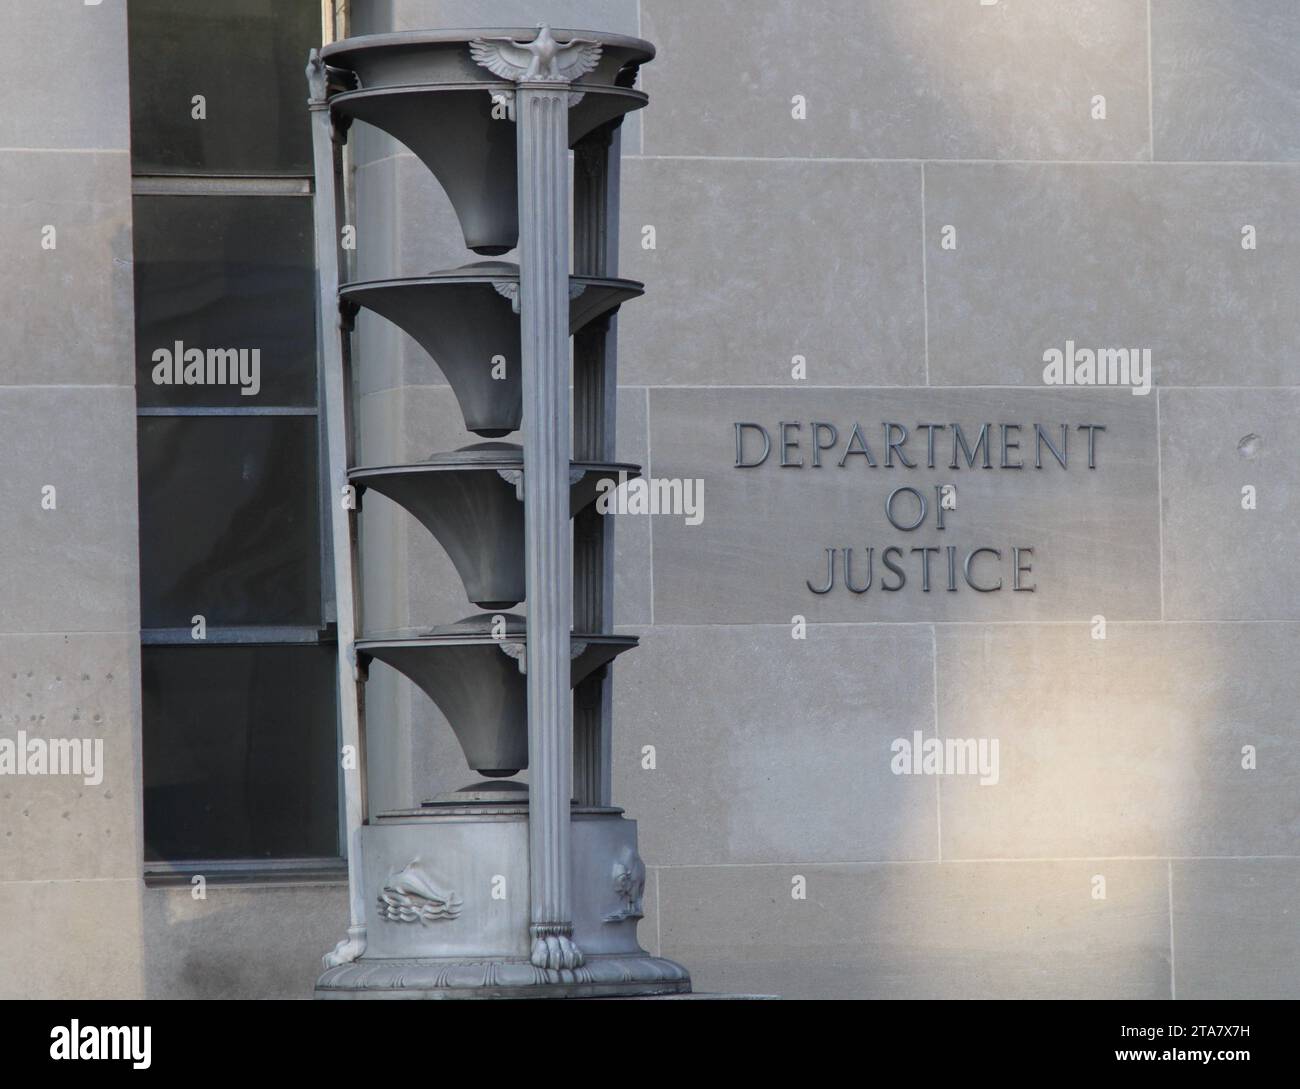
column 347, row 950
column 556, row 952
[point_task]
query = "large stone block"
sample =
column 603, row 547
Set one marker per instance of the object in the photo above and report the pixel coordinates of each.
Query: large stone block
column 240, row 942
column 74, row 567
column 765, row 531
column 1111, row 256
column 928, row 930
column 84, row 689
column 66, row 78
column 757, row 262
column 1224, row 79
column 768, row 748
column 1236, row 928
column 1223, row 561
column 65, row 226
column 1130, row 745
column 72, row 940
column 928, row 79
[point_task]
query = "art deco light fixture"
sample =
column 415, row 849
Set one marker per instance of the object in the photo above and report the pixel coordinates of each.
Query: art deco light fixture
column 500, row 889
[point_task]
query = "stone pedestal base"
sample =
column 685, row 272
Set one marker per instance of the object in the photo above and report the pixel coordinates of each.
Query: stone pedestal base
column 600, row 977
column 447, row 911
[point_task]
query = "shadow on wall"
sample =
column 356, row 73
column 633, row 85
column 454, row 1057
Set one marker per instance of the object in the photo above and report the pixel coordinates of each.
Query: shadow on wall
column 242, row 942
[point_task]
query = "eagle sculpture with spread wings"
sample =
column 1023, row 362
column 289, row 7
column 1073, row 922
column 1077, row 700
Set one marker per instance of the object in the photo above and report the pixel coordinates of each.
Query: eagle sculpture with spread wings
column 543, row 60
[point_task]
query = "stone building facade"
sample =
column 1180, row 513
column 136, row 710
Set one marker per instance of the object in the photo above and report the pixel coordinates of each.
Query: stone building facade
column 847, row 213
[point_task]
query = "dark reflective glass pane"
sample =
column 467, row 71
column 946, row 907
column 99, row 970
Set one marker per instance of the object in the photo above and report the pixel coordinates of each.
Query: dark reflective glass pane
column 229, row 521
column 247, row 59
column 241, row 752
column 220, row 274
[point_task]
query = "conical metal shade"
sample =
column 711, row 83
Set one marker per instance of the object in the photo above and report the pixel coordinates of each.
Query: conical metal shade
column 470, row 503
column 466, row 317
column 478, row 682
column 428, row 92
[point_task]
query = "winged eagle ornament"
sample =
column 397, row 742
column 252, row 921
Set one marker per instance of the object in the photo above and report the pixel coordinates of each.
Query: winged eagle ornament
column 543, row 60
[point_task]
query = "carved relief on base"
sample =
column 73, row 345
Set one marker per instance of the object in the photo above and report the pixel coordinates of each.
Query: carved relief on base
column 629, row 885
column 411, row 895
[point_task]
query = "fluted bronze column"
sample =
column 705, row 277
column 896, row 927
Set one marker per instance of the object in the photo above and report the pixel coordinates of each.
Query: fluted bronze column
column 595, row 253
column 335, row 379
column 542, row 117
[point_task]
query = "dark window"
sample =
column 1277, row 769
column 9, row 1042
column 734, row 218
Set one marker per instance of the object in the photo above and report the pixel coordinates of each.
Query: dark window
column 229, row 521
column 239, row 673
column 244, row 60
column 229, row 272
column 240, row 746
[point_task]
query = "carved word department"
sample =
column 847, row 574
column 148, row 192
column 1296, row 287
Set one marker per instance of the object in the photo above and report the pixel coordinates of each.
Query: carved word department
column 819, row 445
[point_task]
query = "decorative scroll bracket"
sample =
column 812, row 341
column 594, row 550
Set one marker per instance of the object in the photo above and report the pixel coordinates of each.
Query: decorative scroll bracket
column 509, row 289
column 519, row 652
column 515, row 478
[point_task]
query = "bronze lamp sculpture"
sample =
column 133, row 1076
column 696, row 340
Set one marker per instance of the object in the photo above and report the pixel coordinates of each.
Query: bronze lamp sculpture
column 500, row 889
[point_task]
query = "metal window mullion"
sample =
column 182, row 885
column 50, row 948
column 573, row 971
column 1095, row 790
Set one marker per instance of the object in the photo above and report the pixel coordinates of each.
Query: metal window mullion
column 219, row 185
column 228, row 410
column 236, row 635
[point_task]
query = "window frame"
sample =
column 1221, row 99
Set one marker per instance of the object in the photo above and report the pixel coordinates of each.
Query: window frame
column 260, row 870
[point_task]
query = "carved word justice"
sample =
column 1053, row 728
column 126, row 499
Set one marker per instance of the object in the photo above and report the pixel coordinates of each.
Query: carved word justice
column 820, row 444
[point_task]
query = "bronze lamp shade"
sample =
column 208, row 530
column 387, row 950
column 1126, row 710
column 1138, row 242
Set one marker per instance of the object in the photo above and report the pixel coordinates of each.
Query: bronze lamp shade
column 478, row 681
column 467, row 319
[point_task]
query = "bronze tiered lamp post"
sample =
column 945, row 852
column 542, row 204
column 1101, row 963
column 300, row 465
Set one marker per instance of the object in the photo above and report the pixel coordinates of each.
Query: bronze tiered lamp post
column 498, row 889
